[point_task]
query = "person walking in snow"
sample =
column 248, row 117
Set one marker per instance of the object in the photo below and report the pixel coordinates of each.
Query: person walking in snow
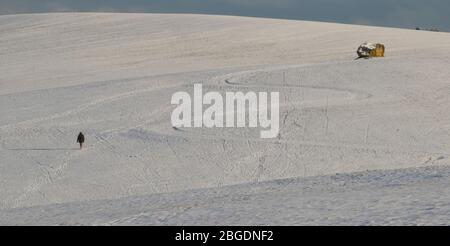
column 80, row 139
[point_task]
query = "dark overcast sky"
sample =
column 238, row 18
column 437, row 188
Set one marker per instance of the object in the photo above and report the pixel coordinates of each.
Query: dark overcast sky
column 396, row 13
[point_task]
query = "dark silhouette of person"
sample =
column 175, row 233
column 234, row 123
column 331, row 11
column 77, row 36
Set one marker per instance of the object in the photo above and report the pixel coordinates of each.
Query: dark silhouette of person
column 80, row 139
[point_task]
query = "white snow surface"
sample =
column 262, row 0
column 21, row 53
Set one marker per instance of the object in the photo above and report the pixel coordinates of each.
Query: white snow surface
column 414, row 196
column 361, row 141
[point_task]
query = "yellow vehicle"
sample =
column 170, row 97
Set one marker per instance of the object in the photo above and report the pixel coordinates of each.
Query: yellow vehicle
column 368, row 50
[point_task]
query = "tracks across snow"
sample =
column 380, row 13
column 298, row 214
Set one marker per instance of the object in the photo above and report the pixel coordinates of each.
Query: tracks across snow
column 337, row 115
column 325, row 119
column 414, row 196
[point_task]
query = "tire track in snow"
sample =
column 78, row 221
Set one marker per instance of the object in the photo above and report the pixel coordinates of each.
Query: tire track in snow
column 93, row 104
column 51, row 176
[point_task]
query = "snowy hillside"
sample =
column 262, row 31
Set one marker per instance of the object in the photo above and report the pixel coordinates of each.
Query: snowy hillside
column 112, row 76
column 416, row 196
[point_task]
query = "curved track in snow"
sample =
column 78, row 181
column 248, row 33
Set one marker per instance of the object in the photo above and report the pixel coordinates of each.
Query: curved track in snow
column 112, row 76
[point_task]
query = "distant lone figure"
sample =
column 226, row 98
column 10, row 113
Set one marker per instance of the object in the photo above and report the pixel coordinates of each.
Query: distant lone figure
column 80, row 139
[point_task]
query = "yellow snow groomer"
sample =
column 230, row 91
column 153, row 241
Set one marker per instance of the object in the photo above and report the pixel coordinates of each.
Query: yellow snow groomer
column 368, row 50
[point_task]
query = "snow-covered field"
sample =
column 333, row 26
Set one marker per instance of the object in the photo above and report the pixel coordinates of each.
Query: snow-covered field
column 361, row 141
column 414, row 196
